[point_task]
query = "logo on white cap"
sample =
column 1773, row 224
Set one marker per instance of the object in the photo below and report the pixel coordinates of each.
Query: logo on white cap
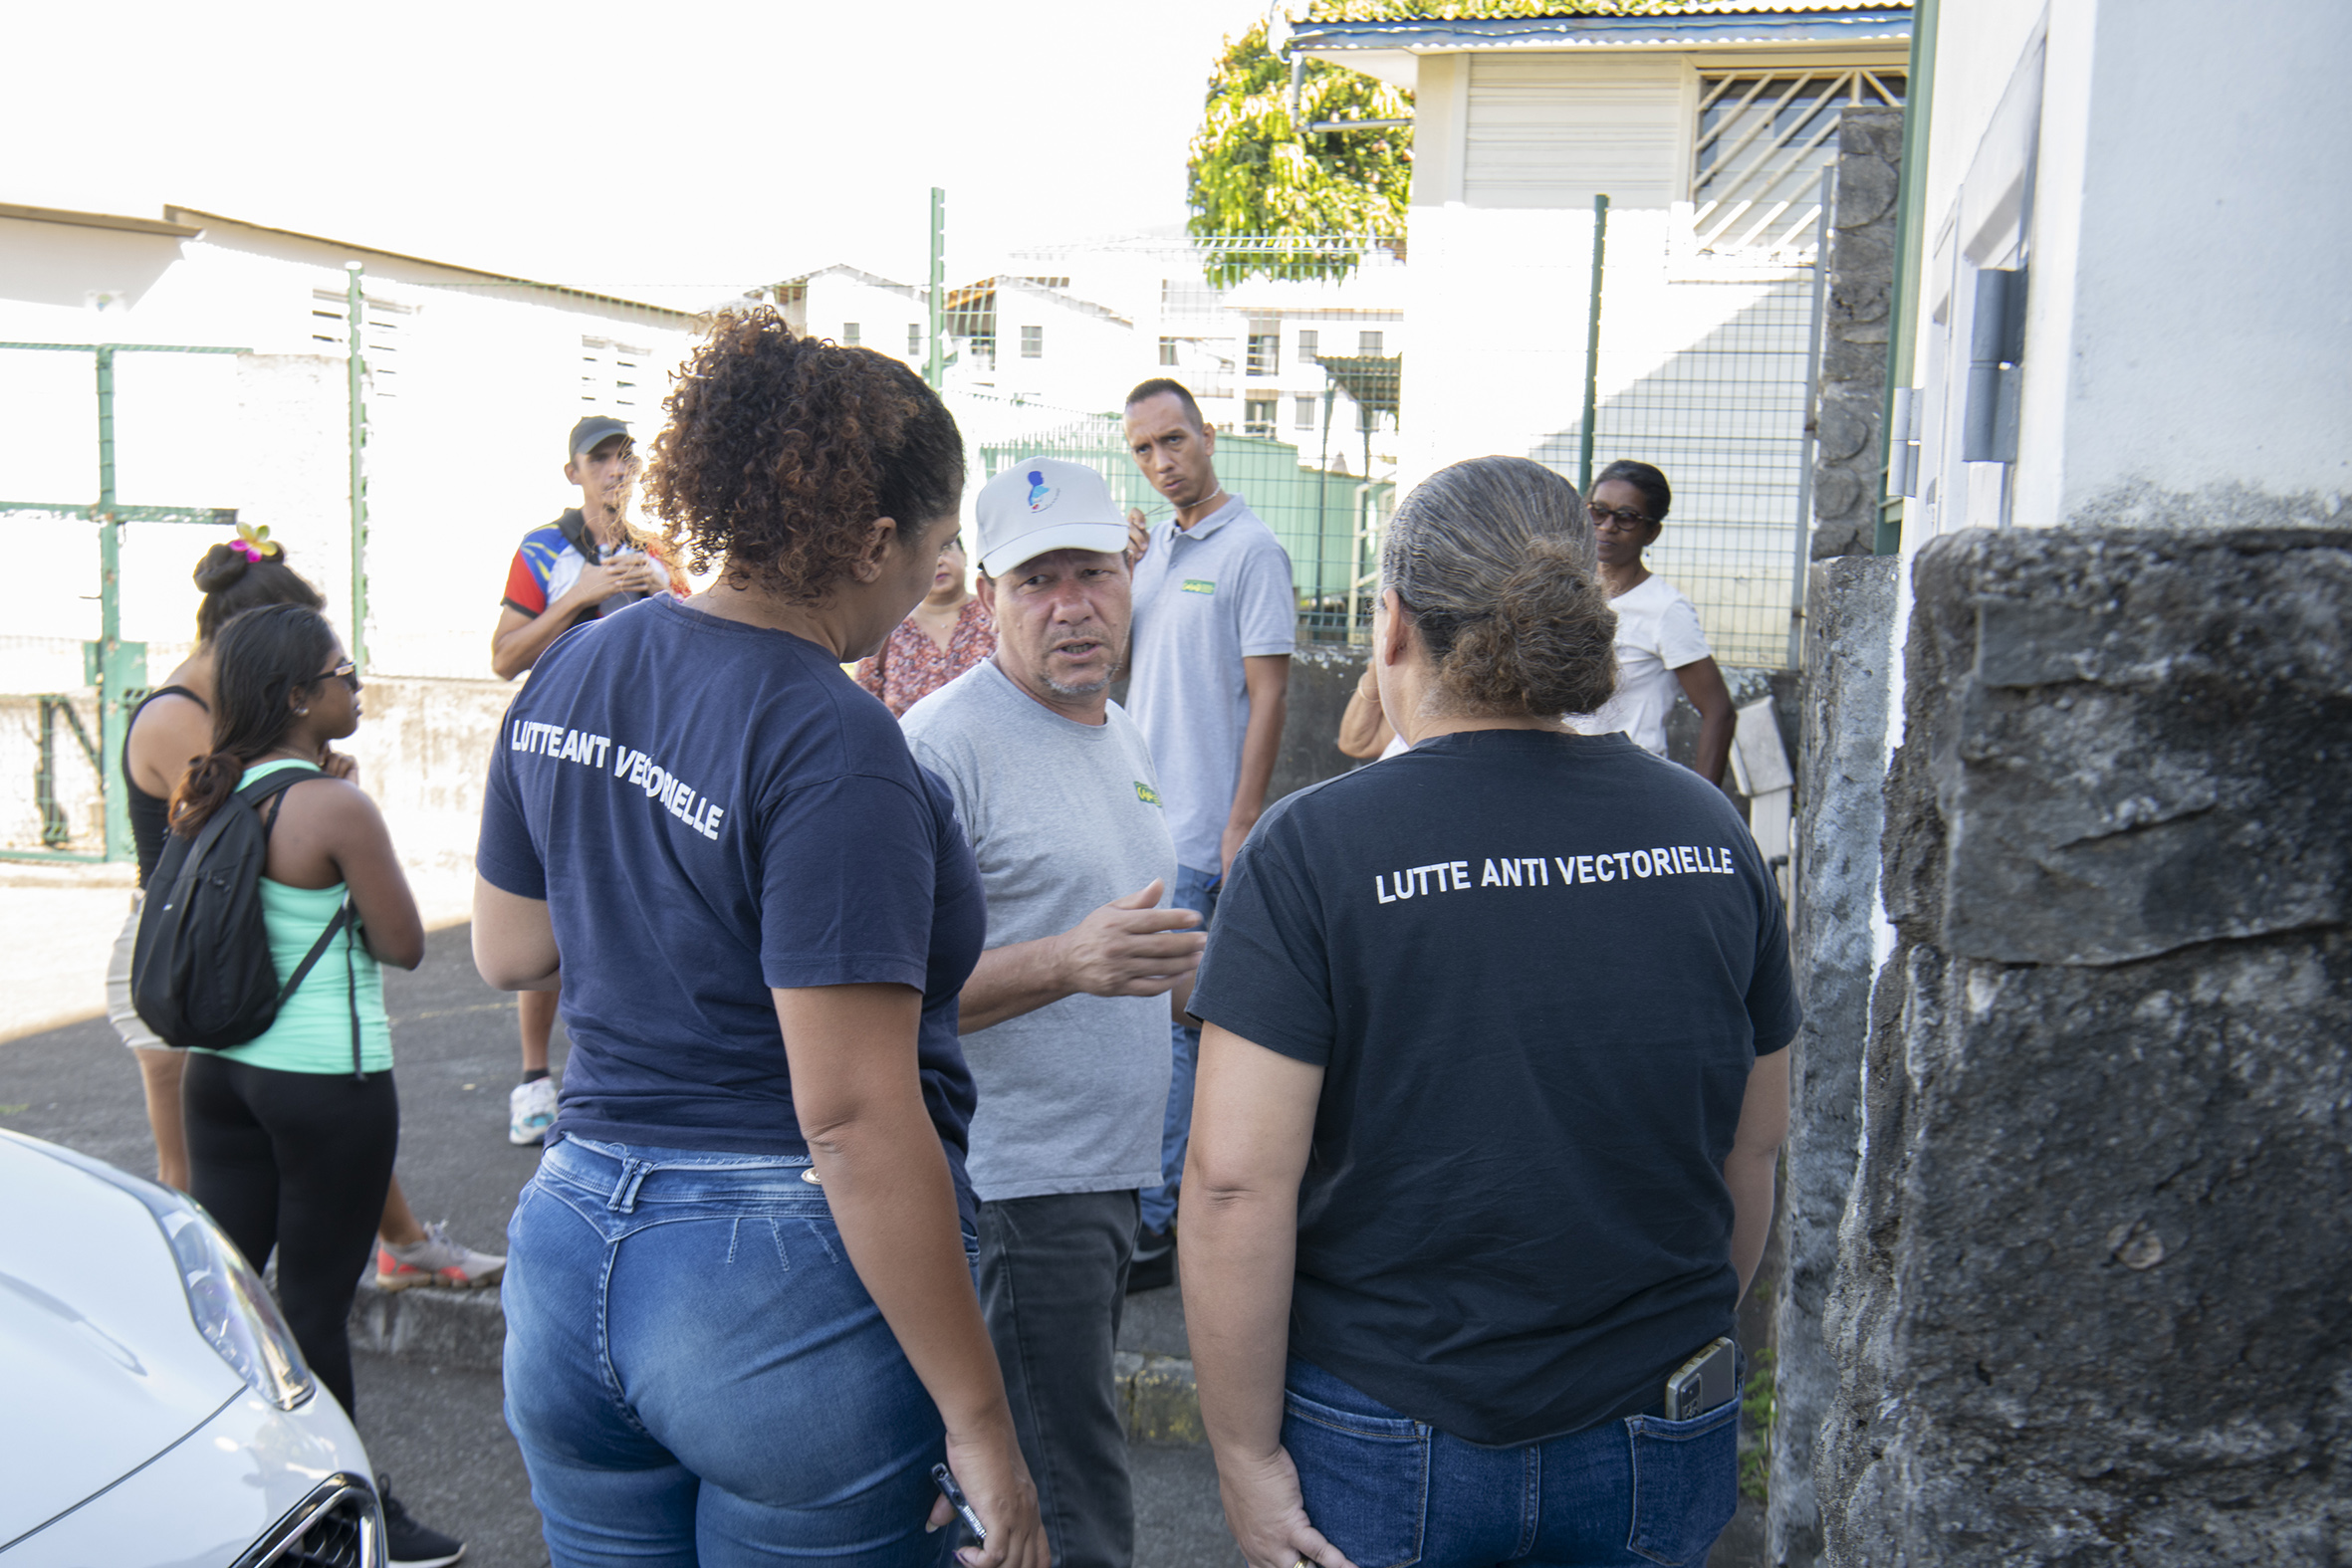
column 1041, row 494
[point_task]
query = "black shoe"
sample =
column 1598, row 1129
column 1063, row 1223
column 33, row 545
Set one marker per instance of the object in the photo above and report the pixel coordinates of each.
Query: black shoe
column 407, row 1543
column 1154, row 1265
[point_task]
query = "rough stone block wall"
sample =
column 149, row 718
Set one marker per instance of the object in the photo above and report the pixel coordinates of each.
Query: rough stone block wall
column 1850, row 408
column 1841, row 771
column 2094, row 1297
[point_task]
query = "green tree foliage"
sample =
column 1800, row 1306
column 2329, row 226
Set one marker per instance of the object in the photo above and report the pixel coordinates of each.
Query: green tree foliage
column 1256, row 174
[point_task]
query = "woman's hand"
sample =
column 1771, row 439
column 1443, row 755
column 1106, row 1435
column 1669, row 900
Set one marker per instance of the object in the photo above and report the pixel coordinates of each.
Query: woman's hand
column 1266, row 1515
column 337, row 764
column 989, row 1467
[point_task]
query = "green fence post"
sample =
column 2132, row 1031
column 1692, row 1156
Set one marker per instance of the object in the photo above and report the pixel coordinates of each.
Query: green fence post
column 355, row 313
column 120, row 667
column 1601, row 242
column 935, row 361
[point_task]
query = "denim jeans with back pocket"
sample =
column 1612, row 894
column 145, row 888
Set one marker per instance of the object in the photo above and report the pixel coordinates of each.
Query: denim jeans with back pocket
column 697, row 1375
column 1389, row 1490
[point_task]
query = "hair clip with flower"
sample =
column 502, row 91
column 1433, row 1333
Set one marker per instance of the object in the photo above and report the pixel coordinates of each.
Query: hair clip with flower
column 255, row 543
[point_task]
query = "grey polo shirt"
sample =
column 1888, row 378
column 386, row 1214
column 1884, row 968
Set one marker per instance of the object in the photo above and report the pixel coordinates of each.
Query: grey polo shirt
column 1206, row 598
column 1063, row 817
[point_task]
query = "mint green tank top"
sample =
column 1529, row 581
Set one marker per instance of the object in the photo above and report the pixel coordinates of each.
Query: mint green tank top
column 313, row 1032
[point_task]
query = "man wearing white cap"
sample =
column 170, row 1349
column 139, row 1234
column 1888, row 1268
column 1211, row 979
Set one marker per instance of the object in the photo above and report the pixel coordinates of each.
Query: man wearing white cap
column 1062, row 1020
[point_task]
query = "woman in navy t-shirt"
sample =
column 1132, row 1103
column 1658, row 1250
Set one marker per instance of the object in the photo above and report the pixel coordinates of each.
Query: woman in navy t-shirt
column 1489, row 1095
column 740, row 1317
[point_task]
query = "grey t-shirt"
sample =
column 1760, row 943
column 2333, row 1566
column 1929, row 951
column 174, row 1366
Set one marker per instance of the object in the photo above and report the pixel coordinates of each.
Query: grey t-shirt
column 1063, row 817
column 1206, row 598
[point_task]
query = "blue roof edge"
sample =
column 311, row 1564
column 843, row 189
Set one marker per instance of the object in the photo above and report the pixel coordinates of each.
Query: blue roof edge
column 1698, row 27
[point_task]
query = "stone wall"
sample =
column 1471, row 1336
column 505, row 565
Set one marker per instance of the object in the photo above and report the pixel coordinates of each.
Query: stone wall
column 423, row 751
column 1324, row 676
column 1841, row 765
column 2092, row 1296
column 1847, row 460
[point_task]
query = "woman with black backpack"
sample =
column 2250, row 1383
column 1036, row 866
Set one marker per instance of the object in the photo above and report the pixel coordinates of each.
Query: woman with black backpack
column 291, row 1135
column 172, row 724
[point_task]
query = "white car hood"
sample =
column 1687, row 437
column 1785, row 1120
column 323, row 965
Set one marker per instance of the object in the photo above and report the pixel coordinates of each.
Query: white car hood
column 102, row 1362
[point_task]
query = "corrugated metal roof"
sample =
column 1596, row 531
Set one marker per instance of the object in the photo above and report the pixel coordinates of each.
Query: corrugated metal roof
column 1708, row 24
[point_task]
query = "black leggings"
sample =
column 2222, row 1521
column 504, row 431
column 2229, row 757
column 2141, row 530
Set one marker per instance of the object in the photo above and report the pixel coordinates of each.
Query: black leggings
column 299, row 1161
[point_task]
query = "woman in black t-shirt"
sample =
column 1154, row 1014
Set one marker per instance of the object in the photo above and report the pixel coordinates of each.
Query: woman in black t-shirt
column 1490, row 1097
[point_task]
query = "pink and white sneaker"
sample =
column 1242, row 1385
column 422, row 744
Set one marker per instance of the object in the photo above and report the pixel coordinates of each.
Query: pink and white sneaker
column 436, row 1260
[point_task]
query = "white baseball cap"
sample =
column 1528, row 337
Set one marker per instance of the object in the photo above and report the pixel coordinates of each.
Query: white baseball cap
column 1043, row 504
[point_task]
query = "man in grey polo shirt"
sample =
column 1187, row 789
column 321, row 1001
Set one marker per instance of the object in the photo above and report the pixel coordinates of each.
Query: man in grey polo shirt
column 1064, row 1019
column 1216, row 619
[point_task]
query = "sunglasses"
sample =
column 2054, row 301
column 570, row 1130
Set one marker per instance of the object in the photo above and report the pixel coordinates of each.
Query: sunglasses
column 345, row 672
column 1627, row 521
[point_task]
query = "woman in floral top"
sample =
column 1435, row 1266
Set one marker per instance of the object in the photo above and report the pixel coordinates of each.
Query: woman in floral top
column 948, row 634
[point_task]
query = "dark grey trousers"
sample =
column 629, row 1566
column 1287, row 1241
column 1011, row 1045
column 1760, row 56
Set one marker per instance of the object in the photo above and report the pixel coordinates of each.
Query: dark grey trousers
column 1052, row 1281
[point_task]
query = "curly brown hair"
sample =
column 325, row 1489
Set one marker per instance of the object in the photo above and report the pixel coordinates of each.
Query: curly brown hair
column 781, row 451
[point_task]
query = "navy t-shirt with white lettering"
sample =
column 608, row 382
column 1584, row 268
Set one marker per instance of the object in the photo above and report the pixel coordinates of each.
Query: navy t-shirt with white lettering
column 712, row 809
column 1536, row 969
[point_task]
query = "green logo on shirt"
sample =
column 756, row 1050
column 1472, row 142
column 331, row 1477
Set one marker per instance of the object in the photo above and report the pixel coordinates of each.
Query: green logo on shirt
column 1146, row 794
column 1199, row 585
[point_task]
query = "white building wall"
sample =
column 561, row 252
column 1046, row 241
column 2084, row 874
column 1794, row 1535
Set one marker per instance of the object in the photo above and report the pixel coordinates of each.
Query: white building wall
column 467, row 420
column 1087, row 362
column 2181, row 337
column 882, row 313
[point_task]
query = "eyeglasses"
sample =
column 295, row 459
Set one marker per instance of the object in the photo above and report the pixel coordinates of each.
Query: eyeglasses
column 1624, row 522
column 345, row 672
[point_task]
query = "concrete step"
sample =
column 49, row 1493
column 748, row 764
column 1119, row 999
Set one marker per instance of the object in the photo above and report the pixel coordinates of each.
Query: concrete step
column 449, row 1328
column 467, row 1329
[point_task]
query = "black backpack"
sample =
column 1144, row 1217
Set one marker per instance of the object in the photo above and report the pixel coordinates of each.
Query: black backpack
column 200, row 975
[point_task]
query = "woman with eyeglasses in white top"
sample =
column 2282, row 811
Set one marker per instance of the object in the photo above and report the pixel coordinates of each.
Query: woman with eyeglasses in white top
column 1660, row 643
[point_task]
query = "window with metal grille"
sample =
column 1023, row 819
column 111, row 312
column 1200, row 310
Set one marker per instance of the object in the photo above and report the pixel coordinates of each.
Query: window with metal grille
column 1257, row 416
column 1304, row 417
column 1167, row 351
column 914, row 341
column 849, row 334
column 611, row 373
column 1032, row 342
column 1371, row 342
column 1761, row 143
column 382, row 333
column 1310, row 344
column 1265, row 355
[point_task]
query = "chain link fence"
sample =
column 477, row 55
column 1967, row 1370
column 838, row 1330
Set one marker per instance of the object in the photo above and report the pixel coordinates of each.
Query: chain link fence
column 1725, row 417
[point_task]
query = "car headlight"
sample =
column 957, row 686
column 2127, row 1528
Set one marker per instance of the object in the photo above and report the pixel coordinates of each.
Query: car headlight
column 233, row 1310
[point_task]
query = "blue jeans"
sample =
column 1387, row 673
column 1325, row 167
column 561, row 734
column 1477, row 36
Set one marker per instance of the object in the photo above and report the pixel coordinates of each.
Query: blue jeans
column 697, row 1376
column 1389, row 1490
column 1196, row 891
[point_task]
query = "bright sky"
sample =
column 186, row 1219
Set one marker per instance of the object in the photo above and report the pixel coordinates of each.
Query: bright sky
column 696, row 144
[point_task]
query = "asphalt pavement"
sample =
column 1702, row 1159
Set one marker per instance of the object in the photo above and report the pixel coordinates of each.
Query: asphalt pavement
column 437, row 1428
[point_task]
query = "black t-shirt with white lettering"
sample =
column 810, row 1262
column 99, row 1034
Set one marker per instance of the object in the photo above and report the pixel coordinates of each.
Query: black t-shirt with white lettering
column 1536, row 969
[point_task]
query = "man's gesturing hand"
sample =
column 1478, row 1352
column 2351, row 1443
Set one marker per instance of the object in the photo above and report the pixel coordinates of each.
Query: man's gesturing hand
column 1128, row 948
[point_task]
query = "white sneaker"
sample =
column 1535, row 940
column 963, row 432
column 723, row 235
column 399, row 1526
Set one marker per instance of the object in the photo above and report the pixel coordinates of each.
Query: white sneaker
column 531, row 1111
column 436, row 1260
